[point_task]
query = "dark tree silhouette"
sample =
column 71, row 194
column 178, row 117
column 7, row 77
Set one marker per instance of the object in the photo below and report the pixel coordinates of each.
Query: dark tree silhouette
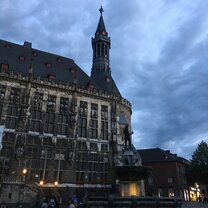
column 199, row 164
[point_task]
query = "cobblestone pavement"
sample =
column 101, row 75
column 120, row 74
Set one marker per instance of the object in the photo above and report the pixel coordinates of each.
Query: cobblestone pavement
column 194, row 205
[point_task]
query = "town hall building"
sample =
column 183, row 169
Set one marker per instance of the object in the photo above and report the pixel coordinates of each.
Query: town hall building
column 62, row 127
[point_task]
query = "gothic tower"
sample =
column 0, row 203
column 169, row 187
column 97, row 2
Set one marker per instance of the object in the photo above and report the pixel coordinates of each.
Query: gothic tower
column 101, row 72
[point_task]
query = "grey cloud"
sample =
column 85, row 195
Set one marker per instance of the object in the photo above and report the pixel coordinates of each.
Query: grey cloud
column 179, row 99
column 168, row 94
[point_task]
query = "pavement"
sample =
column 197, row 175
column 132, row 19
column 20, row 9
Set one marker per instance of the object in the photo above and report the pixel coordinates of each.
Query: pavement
column 184, row 205
column 194, row 205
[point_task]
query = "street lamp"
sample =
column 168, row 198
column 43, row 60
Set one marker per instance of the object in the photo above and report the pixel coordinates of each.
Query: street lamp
column 24, row 171
column 56, row 183
column 41, row 182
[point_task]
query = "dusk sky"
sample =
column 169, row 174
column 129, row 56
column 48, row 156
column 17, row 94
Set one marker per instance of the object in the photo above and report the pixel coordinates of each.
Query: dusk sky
column 158, row 57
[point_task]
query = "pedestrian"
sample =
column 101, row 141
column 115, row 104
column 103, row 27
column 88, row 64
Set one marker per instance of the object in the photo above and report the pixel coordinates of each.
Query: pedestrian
column 44, row 204
column 74, row 200
column 52, row 202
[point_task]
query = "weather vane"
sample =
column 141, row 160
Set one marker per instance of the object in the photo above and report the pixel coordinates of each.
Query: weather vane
column 101, row 10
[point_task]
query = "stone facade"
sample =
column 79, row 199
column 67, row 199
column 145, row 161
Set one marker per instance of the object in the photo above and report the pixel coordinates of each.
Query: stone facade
column 60, row 131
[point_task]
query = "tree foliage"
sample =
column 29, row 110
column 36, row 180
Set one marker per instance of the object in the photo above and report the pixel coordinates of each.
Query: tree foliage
column 199, row 163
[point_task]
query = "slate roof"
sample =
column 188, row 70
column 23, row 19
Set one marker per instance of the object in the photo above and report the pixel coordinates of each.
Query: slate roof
column 101, row 79
column 47, row 64
column 159, row 155
column 44, row 63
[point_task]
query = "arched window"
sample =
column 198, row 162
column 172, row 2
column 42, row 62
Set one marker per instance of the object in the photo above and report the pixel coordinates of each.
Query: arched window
column 98, row 49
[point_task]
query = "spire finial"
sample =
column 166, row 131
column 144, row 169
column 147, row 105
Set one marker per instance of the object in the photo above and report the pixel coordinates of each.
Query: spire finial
column 101, row 10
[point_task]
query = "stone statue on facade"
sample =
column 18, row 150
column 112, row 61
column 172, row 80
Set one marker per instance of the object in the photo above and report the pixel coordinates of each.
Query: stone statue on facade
column 127, row 137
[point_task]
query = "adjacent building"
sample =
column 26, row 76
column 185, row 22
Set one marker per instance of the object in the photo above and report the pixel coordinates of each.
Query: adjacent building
column 61, row 125
column 169, row 173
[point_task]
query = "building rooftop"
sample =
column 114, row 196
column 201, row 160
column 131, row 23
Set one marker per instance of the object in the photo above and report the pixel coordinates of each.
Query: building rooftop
column 25, row 59
column 159, row 155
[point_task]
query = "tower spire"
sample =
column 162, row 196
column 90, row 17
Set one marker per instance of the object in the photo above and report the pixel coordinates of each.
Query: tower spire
column 101, row 26
column 101, row 44
column 101, row 47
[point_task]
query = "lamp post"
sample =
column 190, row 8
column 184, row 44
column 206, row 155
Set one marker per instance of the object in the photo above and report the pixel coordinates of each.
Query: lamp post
column 21, row 191
column 40, row 185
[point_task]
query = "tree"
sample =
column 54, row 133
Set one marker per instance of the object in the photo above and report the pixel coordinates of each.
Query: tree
column 199, row 163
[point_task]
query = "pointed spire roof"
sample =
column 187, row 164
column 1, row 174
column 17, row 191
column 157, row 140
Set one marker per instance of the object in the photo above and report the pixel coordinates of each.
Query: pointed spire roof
column 101, row 25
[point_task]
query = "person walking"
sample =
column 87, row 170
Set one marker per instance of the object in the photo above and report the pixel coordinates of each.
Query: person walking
column 44, row 204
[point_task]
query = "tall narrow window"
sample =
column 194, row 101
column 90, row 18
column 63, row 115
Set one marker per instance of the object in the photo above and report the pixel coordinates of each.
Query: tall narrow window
column 2, row 96
column 104, row 122
column 51, row 104
column 62, row 124
column 36, row 113
column 98, row 49
column 62, row 121
column 35, row 122
column 106, row 50
column 49, row 122
column 94, row 121
column 12, row 111
column 82, row 162
column 102, row 49
column 37, row 101
column 50, row 115
column 82, row 121
column 64, row 103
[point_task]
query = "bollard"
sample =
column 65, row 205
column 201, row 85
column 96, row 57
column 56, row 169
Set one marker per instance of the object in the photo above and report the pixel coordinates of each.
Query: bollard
column 110, row 201
column 133, row 202
column 157, row 202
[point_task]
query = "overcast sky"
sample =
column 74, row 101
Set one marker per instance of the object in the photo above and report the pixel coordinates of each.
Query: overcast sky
column 158, row 57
